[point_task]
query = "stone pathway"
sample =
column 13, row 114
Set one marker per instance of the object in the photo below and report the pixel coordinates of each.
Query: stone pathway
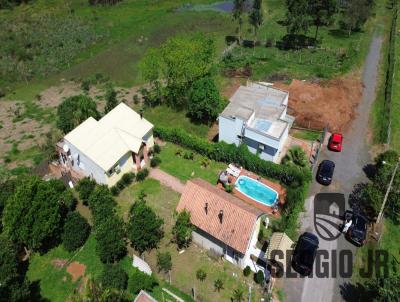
column 167, row 180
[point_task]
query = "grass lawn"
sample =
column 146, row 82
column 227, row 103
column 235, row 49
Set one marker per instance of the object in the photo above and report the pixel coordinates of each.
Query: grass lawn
column 306, row 134
column 184, row 266
column 325, row 62
column 165, row 116
column 185, row 169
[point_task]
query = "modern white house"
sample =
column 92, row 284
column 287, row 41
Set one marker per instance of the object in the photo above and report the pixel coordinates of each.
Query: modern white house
column 224, row 224
column 257, row 116
column 108, row 148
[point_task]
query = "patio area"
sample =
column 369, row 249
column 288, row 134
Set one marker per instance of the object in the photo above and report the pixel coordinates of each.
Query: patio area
column 232, row 178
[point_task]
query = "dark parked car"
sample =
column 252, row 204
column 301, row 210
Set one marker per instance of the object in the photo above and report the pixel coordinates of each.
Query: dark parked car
column 325, row 172
column 357, row 232
column 305, row 253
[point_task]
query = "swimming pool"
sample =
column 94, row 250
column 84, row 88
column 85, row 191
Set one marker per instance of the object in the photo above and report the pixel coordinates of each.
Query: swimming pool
column 256, row 190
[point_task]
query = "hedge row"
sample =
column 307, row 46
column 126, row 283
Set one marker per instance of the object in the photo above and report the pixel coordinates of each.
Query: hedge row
column 295, row 180
column 229, row 153
column 384, row 133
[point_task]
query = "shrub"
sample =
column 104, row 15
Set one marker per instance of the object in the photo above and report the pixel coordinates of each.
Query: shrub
column 120, row 185
column 182, row 230
column 114, row 277
column 259, row 277
column 135, row 99
column 76, row 231
column 155, row 161
column 156, row 148
column 261, row 234
column 228, row 188
column 128, row 178
column 68, row 200
column 140, row 281
column 114, row 190
column 201, row 274
column 164, row 261
column 85, row 187
column 142, row 174
column 247, row 271
column 188, row 155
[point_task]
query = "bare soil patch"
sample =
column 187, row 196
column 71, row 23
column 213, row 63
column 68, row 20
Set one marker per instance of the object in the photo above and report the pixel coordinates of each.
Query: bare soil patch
column 76, row 270
column 316, row 104
column 59, row 263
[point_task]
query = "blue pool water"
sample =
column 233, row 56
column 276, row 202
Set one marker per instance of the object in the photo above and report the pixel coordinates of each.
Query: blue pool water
column 256, row 190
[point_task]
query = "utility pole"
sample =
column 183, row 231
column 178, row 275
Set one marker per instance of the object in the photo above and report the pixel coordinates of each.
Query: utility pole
column 387, row 193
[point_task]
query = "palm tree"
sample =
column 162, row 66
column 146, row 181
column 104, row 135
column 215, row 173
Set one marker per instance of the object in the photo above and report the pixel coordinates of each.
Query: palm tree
column 218, row 285
column 295, row 156
column 238, row 295
column 256, row 19
column 237, row 12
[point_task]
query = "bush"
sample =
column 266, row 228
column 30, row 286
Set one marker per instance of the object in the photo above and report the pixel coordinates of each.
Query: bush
column 228, row 188
column 164, row 261
column 247, row 271
column 261, row 234
column 114, row 277
column 128, row 178
column 140, row 281
column 68, row 200
column 155, row 161
column 259, row 277
column 142, row 174
column 114, row 190
column 188, row 155
column 76, row 231
column 182, row 230
column 120, row 185
column 201, row 274
column 85, row 187
column 156, row 148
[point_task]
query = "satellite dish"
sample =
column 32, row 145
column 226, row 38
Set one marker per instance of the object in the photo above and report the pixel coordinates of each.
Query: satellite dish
column 65, row 148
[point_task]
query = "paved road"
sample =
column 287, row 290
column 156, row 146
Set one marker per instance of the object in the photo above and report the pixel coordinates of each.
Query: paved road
column 348, row 172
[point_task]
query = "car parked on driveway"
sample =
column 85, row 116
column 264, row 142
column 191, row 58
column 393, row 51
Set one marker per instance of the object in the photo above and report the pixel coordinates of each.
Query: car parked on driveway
column 325, row 172
column 305, row 253
column 335, row 142
column 357, row 232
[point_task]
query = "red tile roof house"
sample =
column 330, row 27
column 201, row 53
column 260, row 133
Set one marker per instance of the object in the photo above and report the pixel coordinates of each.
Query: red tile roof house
column 224, row 224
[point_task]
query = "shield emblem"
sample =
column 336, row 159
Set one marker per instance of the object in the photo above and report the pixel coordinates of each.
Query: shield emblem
column 329, row 209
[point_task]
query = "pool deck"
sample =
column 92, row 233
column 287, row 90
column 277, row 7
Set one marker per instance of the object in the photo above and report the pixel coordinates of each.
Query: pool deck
column 266, row 209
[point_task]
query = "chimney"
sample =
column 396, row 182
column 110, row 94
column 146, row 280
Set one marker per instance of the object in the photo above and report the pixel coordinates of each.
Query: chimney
column 206, row 208
column 221, row 216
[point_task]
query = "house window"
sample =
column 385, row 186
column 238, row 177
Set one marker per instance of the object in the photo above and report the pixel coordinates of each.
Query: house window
column 261, row 147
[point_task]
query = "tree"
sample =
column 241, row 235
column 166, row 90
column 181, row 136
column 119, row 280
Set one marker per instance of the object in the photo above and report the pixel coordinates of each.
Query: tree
column 141, row 281
column 85, row 187
column 256, row 17
column 164, row 261
column 179, row 62
column 238, row 10
column 144, row 226
column 113, row 276
column 321, row 13
column 76, row 231
column 259, row 277
column 13, row 287
column 238, row 295
column 355, row 13
column 218, row 285
column 32, row 215
column 295, row 156
column 201, row 275
column 182, row 230
column 111, row 99
column 110, row 234
column 74, row 110
column 297, row 16
column 205, row 102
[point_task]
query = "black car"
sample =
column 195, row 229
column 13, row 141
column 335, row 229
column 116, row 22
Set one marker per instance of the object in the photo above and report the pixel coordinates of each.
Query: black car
column 357, row 232
column 305, row 253
column 325, row 172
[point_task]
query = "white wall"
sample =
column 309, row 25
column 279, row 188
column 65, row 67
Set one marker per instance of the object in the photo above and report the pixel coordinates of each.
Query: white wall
column 148, row 138
column 229, row 129
column 87, row 166
column 126, row 164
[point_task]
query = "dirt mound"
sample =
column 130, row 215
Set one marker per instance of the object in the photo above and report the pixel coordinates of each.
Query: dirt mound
column 76, row 270
column 59, row 263
column 329, row 102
